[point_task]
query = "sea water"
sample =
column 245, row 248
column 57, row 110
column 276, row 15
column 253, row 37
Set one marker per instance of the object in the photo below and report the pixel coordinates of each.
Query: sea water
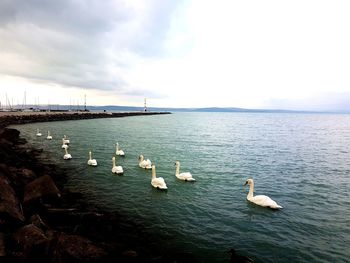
column 302, row 161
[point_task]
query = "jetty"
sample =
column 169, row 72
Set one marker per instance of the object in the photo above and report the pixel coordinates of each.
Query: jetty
column 23, row 117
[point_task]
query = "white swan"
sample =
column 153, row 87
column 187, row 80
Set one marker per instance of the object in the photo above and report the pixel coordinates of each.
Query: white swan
column 38, row 133
column 116, row 169
column 145, row 164
column 66, row 141
column 183, row 176
column 67, row 156
column 157, row 182
column 91, row 161
column 119, row 151
column 261, row 200
column 49, row 137
column 64, row 146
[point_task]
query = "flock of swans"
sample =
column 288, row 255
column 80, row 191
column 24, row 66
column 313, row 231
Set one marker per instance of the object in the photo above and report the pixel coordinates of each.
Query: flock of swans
column 159, row 182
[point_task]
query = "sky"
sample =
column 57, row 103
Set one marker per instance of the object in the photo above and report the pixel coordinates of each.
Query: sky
column 249, row 54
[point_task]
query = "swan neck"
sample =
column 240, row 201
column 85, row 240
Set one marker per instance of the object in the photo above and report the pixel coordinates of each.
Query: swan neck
column 141, row 158
column 113, row 161
column 66, row 151
column 177, row 168
column 154, row 173
column 90, row 155
column 251, row 191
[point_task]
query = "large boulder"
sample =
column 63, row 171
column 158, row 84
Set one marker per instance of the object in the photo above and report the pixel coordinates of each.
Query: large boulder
column 11, row 135
column 10, row 211
column 2, row 246
column 43, row 187
column 73, row 248
column 32, row 244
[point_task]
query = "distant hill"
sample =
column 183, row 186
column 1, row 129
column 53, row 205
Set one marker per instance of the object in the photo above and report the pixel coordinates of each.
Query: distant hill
column 212, row 109
column 132, row 108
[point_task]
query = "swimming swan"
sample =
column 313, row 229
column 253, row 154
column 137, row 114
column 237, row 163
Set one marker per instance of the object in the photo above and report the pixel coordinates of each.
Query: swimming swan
column 38, row 133
column 183, row 176
column 64, row 146
column 261, row 200
column 67, row 156
column 49, row 137
column 66, row 141
column 119, row 152
column 91, row 161
column 145, row 164
column 116, row 169
column 157, row 182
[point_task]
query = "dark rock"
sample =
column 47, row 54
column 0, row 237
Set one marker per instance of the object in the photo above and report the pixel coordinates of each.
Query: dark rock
column 18, row 177
column 178, row 257
column 38, row 222
column 72, row 248
column 32, row 244
column 2, row 246
column 10, row 211
column 10, row 134
column 44, row 186
column 235, row 258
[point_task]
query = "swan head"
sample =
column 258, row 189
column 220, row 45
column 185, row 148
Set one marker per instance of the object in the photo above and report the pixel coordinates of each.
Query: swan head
column 249, row 182
column 177, row 163
column 141, row 158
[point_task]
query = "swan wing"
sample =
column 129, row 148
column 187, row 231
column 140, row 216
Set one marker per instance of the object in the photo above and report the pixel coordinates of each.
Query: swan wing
column 117, row 170
column 92, row 162
column 264, row 201
column 159, row 183
column 185, row 176
column 145, row 164
column 67, row 156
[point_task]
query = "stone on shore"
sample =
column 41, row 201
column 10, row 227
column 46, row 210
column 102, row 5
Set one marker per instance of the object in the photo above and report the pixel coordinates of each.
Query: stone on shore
column 2, row 246
column 73, row 248
column 42, row 187
column 32, row 244
column 9, row 205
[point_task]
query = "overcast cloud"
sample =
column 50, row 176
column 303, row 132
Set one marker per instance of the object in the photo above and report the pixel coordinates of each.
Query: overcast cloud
column 79, row 43
column 253, row 54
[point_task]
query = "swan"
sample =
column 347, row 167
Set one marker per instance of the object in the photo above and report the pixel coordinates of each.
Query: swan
column 67, row 156
column 261, row 200
column 64, row 145
column 49, row 137
column 116, row 169
column 157, row 182
column 38, row 133
column 119, row 152
column 66, row 141
column 91, row 161
column 183, row 176
column 146, row 164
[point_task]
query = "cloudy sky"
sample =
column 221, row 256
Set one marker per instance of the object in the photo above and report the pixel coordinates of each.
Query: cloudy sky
column 251, row 54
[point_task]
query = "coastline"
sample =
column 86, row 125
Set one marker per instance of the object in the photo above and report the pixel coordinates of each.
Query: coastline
column 42, row 221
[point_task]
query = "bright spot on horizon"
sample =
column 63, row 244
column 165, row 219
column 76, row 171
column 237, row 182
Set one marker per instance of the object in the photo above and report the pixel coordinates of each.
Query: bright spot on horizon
column 248, row 54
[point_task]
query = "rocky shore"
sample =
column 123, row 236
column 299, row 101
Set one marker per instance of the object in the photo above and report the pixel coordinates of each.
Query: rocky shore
column 41, row 221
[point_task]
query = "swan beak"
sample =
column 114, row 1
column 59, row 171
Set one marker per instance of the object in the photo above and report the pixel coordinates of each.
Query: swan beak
column 246, row 182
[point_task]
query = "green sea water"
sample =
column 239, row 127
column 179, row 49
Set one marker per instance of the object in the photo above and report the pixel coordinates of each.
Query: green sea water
column 302, row 161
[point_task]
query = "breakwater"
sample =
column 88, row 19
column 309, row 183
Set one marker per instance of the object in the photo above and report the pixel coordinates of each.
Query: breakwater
column 7, row 118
